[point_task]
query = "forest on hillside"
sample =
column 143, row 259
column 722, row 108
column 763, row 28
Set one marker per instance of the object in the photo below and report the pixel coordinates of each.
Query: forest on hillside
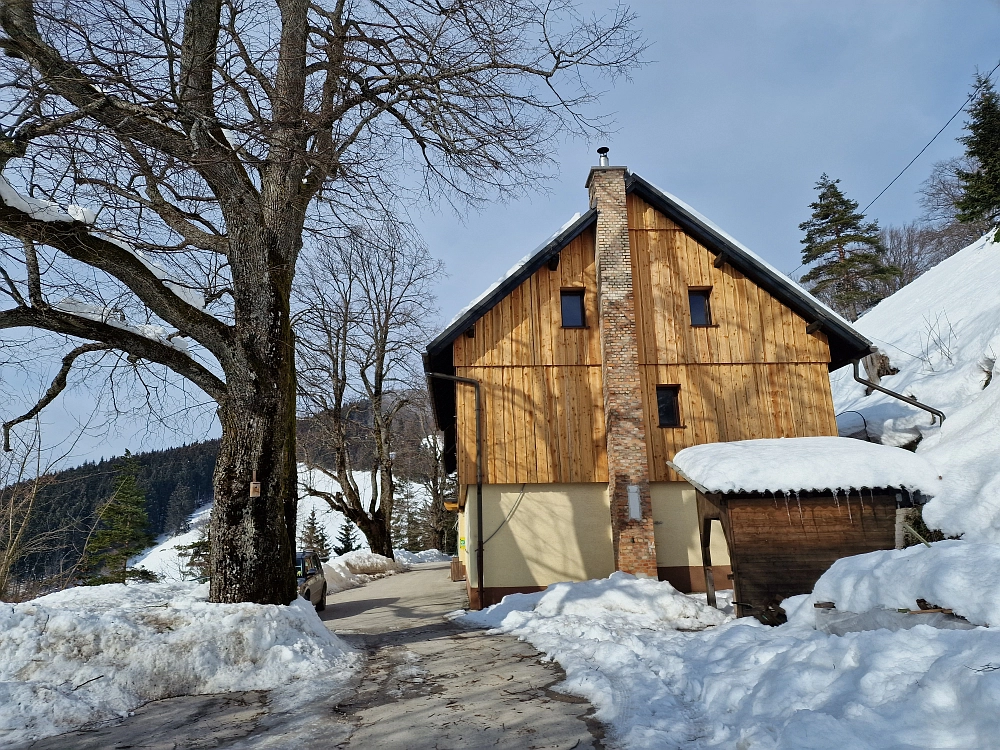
column 174, row 481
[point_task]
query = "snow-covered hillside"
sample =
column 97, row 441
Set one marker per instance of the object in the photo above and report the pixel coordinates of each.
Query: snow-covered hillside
column 164, row 560
column 943, row 334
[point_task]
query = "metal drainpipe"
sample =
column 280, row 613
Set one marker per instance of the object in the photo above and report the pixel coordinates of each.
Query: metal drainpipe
column 912, row 401
column 480, row 576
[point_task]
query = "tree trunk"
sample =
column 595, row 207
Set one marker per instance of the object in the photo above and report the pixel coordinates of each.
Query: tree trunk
column 376, row 531
column 253, row 537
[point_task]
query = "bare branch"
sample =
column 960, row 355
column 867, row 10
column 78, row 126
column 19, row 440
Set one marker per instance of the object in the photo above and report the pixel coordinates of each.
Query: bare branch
column 57, row 386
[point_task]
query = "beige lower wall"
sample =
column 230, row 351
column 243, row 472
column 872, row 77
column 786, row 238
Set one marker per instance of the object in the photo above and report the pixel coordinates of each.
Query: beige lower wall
column 675, row 527
column 555, row 532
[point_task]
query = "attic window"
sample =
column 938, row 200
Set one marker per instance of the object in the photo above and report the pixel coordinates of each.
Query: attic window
column 701, row 310
column 668, row 405
column 572, row 309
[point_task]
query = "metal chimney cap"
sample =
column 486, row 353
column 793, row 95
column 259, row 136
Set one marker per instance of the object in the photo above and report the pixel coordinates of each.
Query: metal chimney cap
column 603, row 152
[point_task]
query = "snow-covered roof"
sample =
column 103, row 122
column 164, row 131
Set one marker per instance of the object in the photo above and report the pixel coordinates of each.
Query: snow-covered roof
column 804, row 464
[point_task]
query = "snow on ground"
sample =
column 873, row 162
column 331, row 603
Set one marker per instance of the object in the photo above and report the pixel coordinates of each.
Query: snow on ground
column 959, row 575
column 368, row 563
column 425, row 556
column 665, row 671
column 808, row 463
column 92, row 654
column 943, row 333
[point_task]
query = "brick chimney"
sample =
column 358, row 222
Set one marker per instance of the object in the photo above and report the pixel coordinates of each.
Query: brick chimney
column 628, row 470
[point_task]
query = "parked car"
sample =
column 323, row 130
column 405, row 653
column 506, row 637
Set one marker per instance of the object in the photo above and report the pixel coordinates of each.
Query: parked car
column 312, row 582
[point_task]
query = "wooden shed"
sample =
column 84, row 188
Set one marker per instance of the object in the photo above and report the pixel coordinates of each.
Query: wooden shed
column 790, row 508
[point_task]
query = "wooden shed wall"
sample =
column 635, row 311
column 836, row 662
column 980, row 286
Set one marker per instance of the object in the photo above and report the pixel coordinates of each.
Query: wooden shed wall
column 755, row 373
column 543, row 412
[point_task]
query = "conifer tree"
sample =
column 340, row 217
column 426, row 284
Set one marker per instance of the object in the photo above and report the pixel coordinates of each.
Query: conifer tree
column 347, row 538
column 847, row 251
column 314, row 536
column 122, row 532
column 980, row 186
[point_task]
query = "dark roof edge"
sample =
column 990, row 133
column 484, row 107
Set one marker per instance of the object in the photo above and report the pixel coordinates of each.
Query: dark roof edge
column 850, row 344
column 511, row 282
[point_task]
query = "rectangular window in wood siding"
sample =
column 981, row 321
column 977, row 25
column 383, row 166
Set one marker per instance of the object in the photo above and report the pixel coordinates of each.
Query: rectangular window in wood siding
column 572, row 309
column 701, row 311
column 668, row 405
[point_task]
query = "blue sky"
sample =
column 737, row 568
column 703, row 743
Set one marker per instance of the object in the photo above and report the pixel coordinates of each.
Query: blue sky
column 742, row 107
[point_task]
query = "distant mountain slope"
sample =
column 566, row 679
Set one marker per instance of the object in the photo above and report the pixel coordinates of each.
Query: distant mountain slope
column 943, row 333
column 175, row 481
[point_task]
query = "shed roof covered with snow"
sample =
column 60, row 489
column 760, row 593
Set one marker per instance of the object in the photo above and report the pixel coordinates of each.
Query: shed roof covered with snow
column 804, row 464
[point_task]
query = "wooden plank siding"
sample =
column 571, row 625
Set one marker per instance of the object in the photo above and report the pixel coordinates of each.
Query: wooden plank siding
column 542, row 387
column 755, row 373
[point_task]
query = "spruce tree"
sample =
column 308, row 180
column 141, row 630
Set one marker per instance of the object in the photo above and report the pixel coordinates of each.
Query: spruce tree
column 847, row 252
column 180, row 505
column 122, row 532
column 980, row 198
column 347, row 538
column 314, row 536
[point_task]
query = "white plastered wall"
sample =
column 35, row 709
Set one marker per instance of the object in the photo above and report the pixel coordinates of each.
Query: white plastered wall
column 540, row 534
column 675, row 527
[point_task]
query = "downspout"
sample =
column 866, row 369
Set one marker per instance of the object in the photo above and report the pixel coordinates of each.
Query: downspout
column 480, row 576
column 912, row 401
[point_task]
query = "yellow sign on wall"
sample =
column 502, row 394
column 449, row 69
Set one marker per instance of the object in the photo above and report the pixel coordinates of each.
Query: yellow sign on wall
column 461, row 542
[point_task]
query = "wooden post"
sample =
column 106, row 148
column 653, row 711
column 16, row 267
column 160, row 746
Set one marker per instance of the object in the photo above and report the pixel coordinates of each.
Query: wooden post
column 706, row 560
column 706, row 514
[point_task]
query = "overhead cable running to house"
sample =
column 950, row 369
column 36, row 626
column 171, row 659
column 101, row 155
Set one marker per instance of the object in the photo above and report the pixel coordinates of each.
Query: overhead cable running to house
column 928, row 145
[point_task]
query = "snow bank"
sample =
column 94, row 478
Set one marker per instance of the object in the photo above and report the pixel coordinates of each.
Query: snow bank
column 808, row 463
column 340, row 578
column 93, row 654
column 744, row 685
column 425, row 556
column 941, row 332
column 368, row 563
column 962, row 576
column 619, row 596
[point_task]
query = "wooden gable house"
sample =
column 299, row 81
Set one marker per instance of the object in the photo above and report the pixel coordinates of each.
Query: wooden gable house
column 639, row 329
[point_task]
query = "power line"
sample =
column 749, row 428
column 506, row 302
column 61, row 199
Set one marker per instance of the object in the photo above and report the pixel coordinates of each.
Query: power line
column 943, row 128
column 927, row 146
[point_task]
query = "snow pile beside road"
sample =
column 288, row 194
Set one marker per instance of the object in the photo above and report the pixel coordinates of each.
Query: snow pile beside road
column 626, row 645
column 340, row 578
column 368, row 563
column 807, row 463
column 958, row 575
column 620, row 596
column 425, row 556
column 93, row 654
column 941, row 332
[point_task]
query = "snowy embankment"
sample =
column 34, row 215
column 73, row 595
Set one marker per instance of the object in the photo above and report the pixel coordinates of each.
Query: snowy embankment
column 665, row 671
column 942, row 332
column 92, row 654
column 425, row 556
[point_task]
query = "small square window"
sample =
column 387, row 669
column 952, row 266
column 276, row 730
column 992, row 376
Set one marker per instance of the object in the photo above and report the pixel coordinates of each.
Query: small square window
column 572, row 309
column 668, row 405
column 701, row 311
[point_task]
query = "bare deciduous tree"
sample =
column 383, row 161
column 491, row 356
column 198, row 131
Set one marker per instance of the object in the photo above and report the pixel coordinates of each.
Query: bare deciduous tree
column 212, row 139
column 938, row 195
column 366, row 303
column 22, row 475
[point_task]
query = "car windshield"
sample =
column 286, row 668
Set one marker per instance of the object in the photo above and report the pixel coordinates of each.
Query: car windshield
column 300, row 567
